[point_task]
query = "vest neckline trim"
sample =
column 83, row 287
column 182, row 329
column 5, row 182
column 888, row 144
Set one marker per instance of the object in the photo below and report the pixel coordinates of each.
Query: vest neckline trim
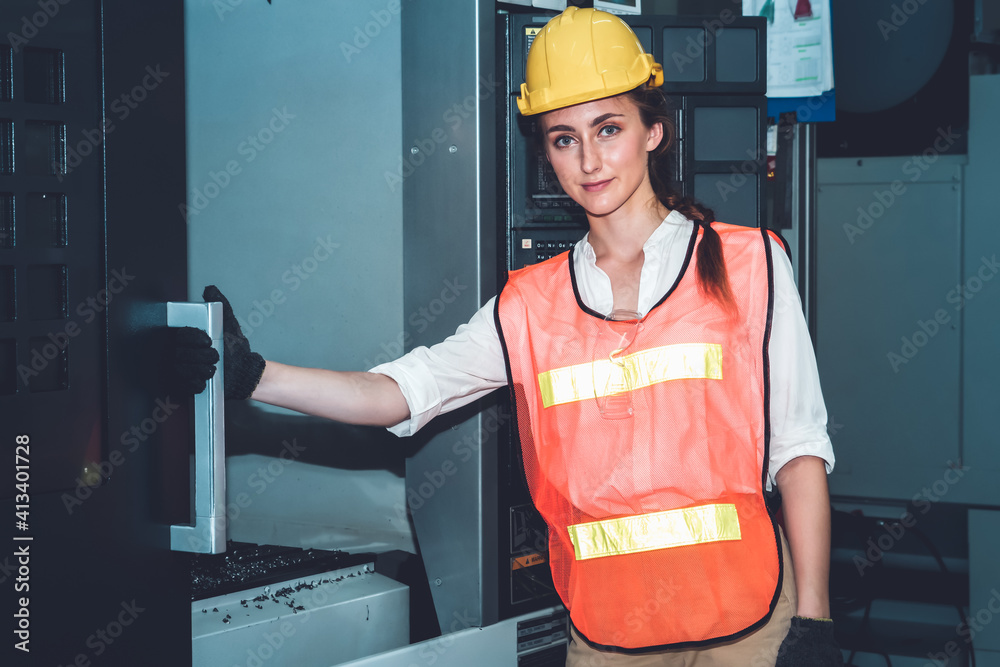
column 677, row 281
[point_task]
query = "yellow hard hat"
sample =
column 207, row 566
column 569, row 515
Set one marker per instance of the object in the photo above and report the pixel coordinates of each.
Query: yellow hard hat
column 583, row 55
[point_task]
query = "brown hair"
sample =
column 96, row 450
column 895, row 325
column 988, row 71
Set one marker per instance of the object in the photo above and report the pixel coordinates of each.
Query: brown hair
column 653, row 108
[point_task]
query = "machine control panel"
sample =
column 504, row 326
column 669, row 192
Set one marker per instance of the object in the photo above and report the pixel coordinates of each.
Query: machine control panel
column 542, row 245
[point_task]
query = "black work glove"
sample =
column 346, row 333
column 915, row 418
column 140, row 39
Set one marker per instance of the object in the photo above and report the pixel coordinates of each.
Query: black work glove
column 195, row 360
column 809, row 643
column 243, row 368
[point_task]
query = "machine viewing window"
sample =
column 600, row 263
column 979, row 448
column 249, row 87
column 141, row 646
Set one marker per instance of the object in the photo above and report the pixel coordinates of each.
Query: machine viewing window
column 53, row 376
column 45, row 147
column 6, row 75
column 6, row 220
column 46, row 294
column 8, row 304
column 683, row 56
column 6, row 146
column 733, row 45
column 45, row 219
column 722, row 133
column 44, row 76
column 8, row 363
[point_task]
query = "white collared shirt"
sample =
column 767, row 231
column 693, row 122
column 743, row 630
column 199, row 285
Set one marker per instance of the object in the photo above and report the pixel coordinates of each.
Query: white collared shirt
column 470, row 363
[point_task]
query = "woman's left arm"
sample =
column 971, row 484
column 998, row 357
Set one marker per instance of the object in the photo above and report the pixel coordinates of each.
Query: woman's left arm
column 800, row 452
column 805, row 502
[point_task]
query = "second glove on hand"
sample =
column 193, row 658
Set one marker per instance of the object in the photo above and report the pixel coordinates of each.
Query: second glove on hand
column 809, row 643
column 243, row 368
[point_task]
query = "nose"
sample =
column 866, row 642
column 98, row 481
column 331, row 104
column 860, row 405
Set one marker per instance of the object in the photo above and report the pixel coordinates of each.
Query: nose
column 590, row 157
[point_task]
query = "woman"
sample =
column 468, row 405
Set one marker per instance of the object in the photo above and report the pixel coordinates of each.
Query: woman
column 651, row 413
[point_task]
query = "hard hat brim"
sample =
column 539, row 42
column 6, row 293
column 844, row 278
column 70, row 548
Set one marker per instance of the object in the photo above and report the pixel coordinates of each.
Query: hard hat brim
column 525, row 106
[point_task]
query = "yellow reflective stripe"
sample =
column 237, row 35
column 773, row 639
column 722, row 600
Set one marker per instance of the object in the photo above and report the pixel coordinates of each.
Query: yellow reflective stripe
column 639, row 369
column 658, row 530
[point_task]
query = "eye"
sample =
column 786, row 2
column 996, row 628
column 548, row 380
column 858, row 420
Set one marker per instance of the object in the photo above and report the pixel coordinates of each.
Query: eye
column 563, row 141
column 609, row 131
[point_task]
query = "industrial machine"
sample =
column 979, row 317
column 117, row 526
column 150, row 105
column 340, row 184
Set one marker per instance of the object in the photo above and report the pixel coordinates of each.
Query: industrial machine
column 146, row 151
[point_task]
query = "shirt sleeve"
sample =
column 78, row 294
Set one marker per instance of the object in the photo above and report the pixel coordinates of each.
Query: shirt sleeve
column 798, row 413
column 460, row 369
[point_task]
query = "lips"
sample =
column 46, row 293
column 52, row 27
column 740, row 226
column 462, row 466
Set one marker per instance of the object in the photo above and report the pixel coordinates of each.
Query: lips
column 596, row 186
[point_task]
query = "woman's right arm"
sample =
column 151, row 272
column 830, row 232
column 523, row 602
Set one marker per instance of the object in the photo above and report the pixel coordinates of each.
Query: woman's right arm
column 401, row 395
column 350, row 397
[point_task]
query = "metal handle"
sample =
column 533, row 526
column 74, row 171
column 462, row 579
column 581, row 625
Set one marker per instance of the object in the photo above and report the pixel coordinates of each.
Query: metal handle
column 208, row 534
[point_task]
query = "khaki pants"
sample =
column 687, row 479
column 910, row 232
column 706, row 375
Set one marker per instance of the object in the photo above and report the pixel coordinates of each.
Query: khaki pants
column 758, row 649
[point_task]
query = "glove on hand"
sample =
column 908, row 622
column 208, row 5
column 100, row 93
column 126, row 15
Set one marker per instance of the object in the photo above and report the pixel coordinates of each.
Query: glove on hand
column 809, row 643
column 243, row 368
column 194, row 359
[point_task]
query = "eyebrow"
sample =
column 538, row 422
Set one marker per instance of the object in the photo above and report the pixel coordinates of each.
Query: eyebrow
column 594, row 123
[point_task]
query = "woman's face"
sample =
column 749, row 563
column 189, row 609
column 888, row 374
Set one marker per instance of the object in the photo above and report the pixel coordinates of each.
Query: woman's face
column 598, row 151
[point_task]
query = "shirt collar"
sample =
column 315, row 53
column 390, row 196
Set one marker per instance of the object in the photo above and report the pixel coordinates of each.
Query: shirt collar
column 668, row 228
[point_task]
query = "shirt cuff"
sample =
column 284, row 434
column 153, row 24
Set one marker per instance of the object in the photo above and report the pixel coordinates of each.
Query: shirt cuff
column 803, row 442
column 419, row 389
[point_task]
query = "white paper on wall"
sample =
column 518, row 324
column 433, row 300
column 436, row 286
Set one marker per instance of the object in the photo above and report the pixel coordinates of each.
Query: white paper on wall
column 799, row 52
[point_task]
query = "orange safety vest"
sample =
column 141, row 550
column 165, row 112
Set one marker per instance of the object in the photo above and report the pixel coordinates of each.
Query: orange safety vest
column 659, row 536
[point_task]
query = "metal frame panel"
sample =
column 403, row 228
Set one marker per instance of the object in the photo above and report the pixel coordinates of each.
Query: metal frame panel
column 886, row 262
column 449, row 257
column 981, row 240
column 495, row 646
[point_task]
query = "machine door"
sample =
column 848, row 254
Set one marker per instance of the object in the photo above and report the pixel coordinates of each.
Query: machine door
column 95, row 446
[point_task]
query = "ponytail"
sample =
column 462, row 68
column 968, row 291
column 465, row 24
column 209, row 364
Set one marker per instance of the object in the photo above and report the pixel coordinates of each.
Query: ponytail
column 712, row 278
